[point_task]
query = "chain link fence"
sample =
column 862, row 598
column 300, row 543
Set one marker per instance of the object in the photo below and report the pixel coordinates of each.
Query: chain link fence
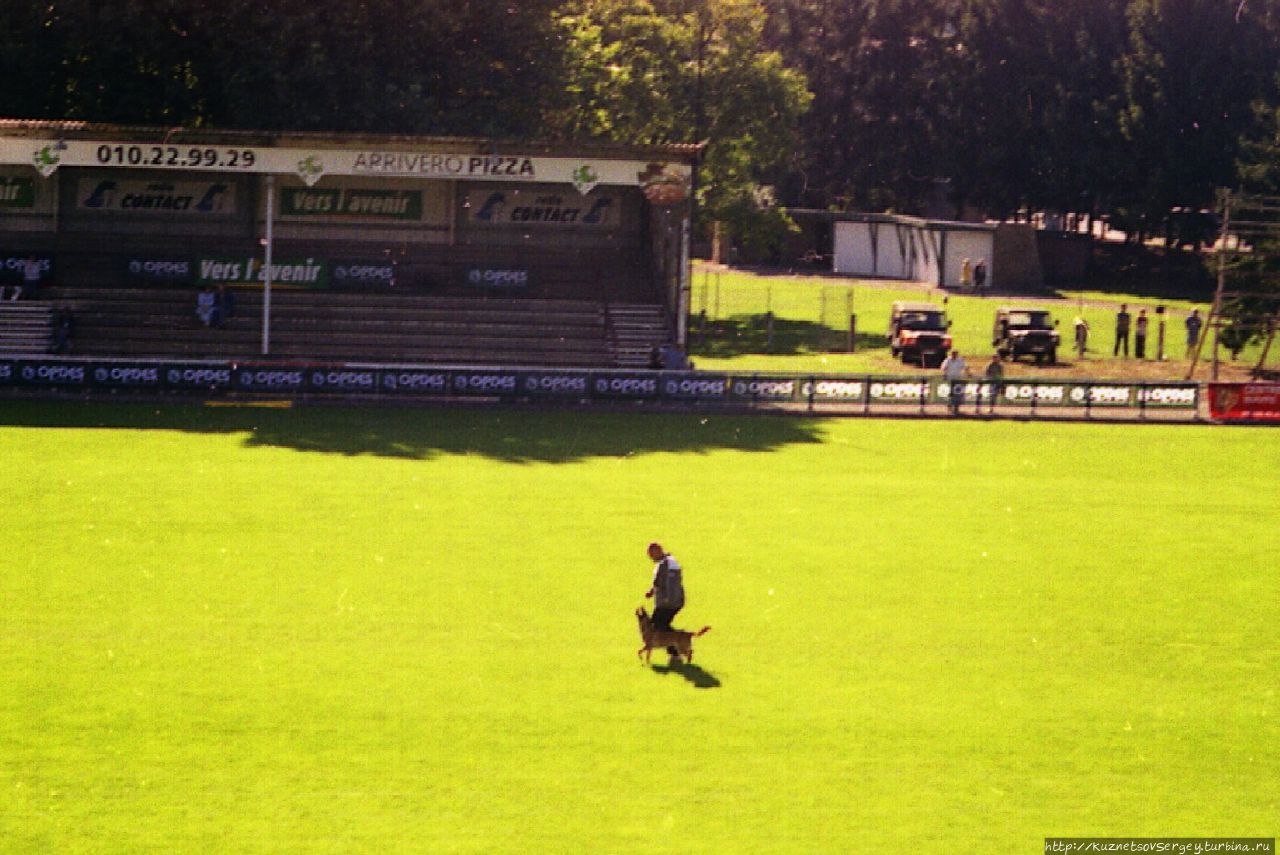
column 757, row 317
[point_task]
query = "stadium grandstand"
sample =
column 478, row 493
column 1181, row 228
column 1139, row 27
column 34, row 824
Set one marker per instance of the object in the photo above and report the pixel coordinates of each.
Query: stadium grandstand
column 340, row 247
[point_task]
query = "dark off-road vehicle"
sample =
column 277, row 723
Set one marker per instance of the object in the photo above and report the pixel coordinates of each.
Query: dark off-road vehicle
column 918, row 332
column 1025, row 332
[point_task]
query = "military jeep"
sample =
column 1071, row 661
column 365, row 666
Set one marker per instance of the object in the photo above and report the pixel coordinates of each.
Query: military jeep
column 918, row 332
column 1022, row 331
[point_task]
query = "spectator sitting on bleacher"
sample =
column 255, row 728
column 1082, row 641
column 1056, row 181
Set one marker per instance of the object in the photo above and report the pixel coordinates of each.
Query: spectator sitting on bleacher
column 655, row 358
column 224, row 306
column 206, row 305
column 63, row 326
column 30, row 286
column 673, row 359
column 31, row 278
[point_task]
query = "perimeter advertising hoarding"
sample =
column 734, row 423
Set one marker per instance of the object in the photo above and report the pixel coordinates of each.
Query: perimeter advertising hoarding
column 48, row 373
column 828, row 390
column 1076, row 394
column 485, row 382
column 158, row 271
column 414, row 381
column 508, row 279
column 363, row 274
column 694, row 386
column 764, row 388
column 1244, row 401
column 114, row 375
column 556, row 384
column 625, row 385
column 342, row 380
column 1228, row 401
column 293, row 272
column 275, row 379
column 197, row 376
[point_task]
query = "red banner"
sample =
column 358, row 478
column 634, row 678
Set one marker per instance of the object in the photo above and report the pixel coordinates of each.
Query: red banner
column 1244, row 401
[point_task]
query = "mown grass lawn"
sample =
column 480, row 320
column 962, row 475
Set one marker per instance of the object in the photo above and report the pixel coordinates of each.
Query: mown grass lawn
column 334, row 630
column 811, row 328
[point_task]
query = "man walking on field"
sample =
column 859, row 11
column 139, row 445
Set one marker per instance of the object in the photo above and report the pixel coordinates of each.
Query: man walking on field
column 668, row 587
column 667, row 590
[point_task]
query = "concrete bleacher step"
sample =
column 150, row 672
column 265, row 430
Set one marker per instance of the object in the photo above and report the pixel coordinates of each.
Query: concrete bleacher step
column 25, row 328
column 346, row 327
column 635, row 329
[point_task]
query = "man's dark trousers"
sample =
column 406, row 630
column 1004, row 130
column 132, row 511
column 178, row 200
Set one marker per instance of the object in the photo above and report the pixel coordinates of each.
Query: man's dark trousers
column 662, row 617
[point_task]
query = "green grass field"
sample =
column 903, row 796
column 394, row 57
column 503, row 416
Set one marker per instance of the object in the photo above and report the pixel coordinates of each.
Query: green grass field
column 811, row 326
column 332, row 630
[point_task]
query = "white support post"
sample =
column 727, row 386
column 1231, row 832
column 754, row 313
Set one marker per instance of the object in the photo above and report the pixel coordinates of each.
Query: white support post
column 266, row 266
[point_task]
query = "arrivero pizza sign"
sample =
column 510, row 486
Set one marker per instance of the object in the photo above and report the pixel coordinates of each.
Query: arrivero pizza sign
column 47, row 156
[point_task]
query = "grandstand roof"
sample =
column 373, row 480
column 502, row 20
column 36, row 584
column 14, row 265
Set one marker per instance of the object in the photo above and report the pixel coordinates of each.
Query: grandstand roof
column 13, row 127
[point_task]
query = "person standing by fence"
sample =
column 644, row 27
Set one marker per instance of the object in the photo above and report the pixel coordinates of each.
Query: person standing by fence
column 1082, row 336
column 954, row 369
column 1140, row 335
column 995, row 380
column 1193, row 324
column 1122, row 331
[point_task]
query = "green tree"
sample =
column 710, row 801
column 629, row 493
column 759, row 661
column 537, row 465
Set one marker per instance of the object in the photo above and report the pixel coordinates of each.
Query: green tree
column 1192, row 70
column 646, row 71
column 1253, row 303
column 879, row 82
column 417, row 66
column 1028, row 108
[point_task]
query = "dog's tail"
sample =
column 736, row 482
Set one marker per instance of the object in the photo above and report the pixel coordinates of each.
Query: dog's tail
column 701, row 631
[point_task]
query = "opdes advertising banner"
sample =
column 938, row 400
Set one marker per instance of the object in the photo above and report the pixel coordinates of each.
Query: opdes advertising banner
column 1256, row 401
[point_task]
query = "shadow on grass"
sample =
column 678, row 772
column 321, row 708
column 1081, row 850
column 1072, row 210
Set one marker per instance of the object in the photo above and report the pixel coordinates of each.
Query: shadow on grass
column 749, row 334
column 699, row 678
column 517, row 436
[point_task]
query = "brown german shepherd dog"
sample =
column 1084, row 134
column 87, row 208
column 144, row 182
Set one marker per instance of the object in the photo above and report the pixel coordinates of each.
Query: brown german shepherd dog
column 680, row 639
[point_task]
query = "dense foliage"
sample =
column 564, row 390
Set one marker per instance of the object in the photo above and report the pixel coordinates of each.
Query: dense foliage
column 1127, row 108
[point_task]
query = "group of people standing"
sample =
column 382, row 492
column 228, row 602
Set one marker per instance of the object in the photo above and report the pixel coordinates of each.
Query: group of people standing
column 973, row 276
column 955, row 371
column 1139, row 327
column 1127, row 325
